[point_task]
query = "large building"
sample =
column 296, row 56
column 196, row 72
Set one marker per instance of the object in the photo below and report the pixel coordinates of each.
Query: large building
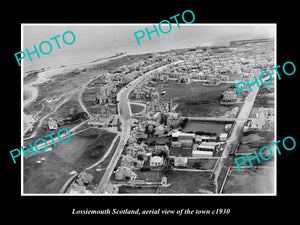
column 205, row 149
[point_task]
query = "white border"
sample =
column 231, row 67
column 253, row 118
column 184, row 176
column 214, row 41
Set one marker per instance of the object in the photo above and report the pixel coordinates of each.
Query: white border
column 147, row 24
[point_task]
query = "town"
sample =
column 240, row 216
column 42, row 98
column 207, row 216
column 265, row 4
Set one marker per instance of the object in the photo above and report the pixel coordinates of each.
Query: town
column 161, row 135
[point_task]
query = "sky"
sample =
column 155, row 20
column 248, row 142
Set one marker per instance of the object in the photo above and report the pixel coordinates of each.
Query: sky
column 94, row 41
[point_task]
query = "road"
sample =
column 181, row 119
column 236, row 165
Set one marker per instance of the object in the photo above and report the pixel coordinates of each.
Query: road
column 125, row 117
column 238, row 127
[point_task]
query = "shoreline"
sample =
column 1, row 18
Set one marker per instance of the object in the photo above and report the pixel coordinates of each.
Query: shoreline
column 31, row 88
column 43, row 76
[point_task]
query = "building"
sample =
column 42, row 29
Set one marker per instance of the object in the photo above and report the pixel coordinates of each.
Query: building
column 223, row 137
column 156, row 161
column 159, row 131
column 128, row 160
column 52, row 124
column 173, row 119
column 230, row 95
column 111, row 189
column 181, row 149
column 123, row 173
column 205, row 149
column 180, row 161
column 96, row 121
column 186, row 137
column 84, row 179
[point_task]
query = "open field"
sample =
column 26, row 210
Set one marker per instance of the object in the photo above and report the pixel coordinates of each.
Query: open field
column 205, row 126
column 265, row 97
column 98, row 174
column 137, row 190
column 266, row 101
column 46, row 177
column 201, row 164
column 250, row 181
column 254, row 140
column 196, row 99
column 188, row 182
column 81, row 151
column 71, row 105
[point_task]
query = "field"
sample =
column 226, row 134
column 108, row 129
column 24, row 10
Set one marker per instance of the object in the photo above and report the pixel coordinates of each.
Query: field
column 265, row 97
column 266, row 101
column 205, row 126
column 188, row 182
column 71, row 105
column 250, row 181
column 254, row 140
column 201, row 164
column 81, row 151
column 196, row 99
column 136, row 108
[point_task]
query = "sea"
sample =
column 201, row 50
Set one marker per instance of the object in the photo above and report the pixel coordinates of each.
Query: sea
column 97, row 41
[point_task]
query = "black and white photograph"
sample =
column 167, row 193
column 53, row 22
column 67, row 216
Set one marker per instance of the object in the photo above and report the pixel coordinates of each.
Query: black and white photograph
column 165, row 117
column 149, row 111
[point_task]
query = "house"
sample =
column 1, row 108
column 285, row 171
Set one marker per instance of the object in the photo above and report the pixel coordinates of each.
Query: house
column 159, row 131
column 173, row 119
column 230, row 95
column 223, row 136
column 84, row 179
column 111, row 189
column 205, row 138
column 123, row 173
column 180, row 161
column 204, row 149
column 181, row 149
column 228, row 127
column 156, row 161
column 52, row 124
column 258, row 123
column 186, row 137
column 128, row 160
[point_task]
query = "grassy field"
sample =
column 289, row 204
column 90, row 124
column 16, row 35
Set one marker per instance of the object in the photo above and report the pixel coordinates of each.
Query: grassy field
column 196, row 99
column 64, row 110
column 188, row 182
column 202, row 164
column 136, row 108
column 205, row 126
column 254, row 140
column 98, row 174
column 266, row 101
column 250, row 180
column 81, row 151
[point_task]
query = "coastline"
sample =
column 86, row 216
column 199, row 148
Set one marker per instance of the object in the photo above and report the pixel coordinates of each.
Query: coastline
column 31, row 88
column 46, row 75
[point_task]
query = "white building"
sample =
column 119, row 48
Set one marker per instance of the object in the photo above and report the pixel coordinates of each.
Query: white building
column 205, row 149
column 223, row 137
column 52, row 124
column 180, row 161
column 156, row 161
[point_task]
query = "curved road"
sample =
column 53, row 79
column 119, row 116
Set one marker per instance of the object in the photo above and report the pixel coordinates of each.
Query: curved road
column 125, row 116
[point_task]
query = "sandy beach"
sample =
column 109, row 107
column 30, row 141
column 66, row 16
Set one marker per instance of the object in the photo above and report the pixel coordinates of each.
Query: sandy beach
column 30, row 89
